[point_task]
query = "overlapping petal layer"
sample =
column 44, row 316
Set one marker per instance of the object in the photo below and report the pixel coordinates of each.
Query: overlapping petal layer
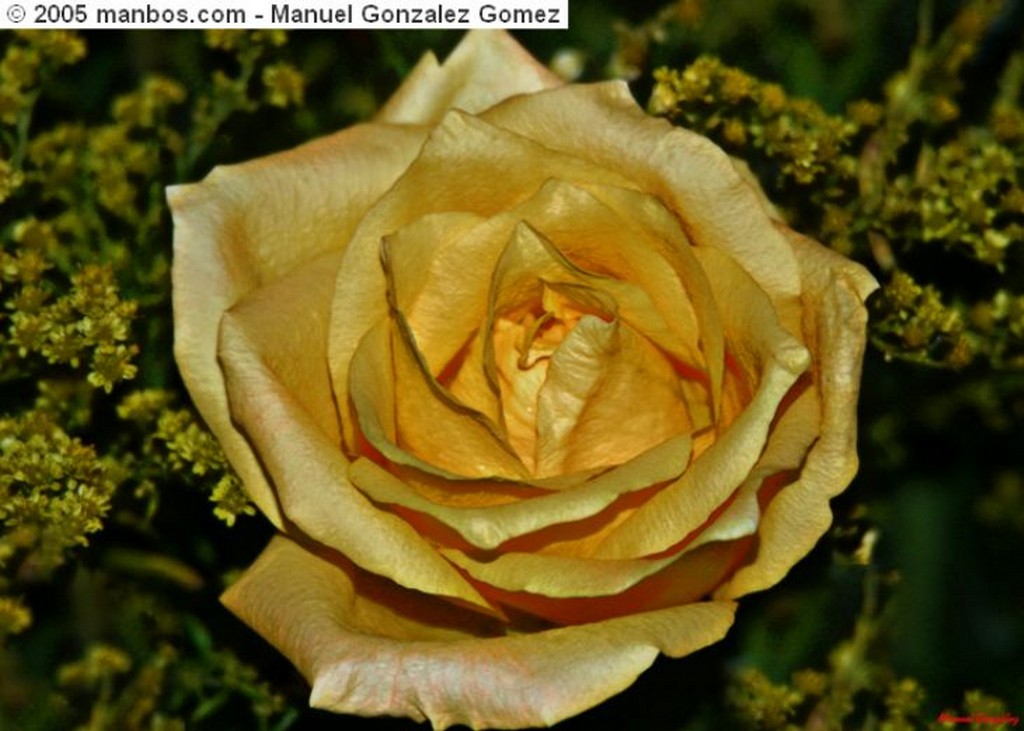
column 246, row 225
column 524, row 378
column 371, row 649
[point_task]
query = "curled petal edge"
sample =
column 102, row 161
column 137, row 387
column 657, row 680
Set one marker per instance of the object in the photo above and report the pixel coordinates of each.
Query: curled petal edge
column 307, row 608
column 485, row 68
column 800, row 514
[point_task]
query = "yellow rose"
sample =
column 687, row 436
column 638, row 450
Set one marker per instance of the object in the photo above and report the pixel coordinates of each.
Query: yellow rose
column 532, row 385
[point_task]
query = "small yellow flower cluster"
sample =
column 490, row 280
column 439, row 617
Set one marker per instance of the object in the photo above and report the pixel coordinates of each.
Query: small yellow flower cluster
column 856, row 182
column 983, row 711
column 237, row 40
column 855, row 685
column 88, row 227
column 285, row 86
column 54, row 492
column 926, row 91
column 742, row 113
column 15, row 617
column 761, row 703
column 177, row 443
column 115, row 161
column 101, row 664
column 89, row 323
column 10, row 180
column 966, row 194
column 30, row 60
column 911, row 320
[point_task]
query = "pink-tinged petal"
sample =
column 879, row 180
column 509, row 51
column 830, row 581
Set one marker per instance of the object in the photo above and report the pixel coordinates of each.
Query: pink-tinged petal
column 245, row 225
column 303, row 462
column 693, row 176
column 371, row 649
column 797, row 517
column 488, row 526
column 486, row 67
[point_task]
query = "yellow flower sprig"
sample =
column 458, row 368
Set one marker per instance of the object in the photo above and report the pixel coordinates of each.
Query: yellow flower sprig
column 169, row 690
column 744, row 113
column 283, row 86
column 845, row 179
column 54, row 492
column 176, row 443
column 30, row 59
column 87, row 324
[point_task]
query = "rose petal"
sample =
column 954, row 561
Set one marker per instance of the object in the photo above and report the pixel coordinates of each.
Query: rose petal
column 434, row 424
column 614, row 251
column 485, row 68
column 286, row 317
column 609, row 396
column 570, row 591
column 752, row 326
column 301, row 458
column 560, row 412
column 793, row 433
column 662, row 225
column 437, row 269
column 563, row 577
column 637, row 270
column 364, row 652
column 489, row 526
column 411, row 420
column 248, row 224
column 694, row 177
column 459, row 143
column 799, row 514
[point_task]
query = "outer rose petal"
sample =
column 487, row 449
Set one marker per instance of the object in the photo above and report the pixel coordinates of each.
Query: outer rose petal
column 365, row 652
column 485, row 68
column 282, row 404
column 834, row 291
column 245, row 225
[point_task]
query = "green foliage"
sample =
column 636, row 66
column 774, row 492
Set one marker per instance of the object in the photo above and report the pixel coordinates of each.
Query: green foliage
column 175, row 444
column 902, row 182
column 54, row 492
column 84, row 312
column 177, row 679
